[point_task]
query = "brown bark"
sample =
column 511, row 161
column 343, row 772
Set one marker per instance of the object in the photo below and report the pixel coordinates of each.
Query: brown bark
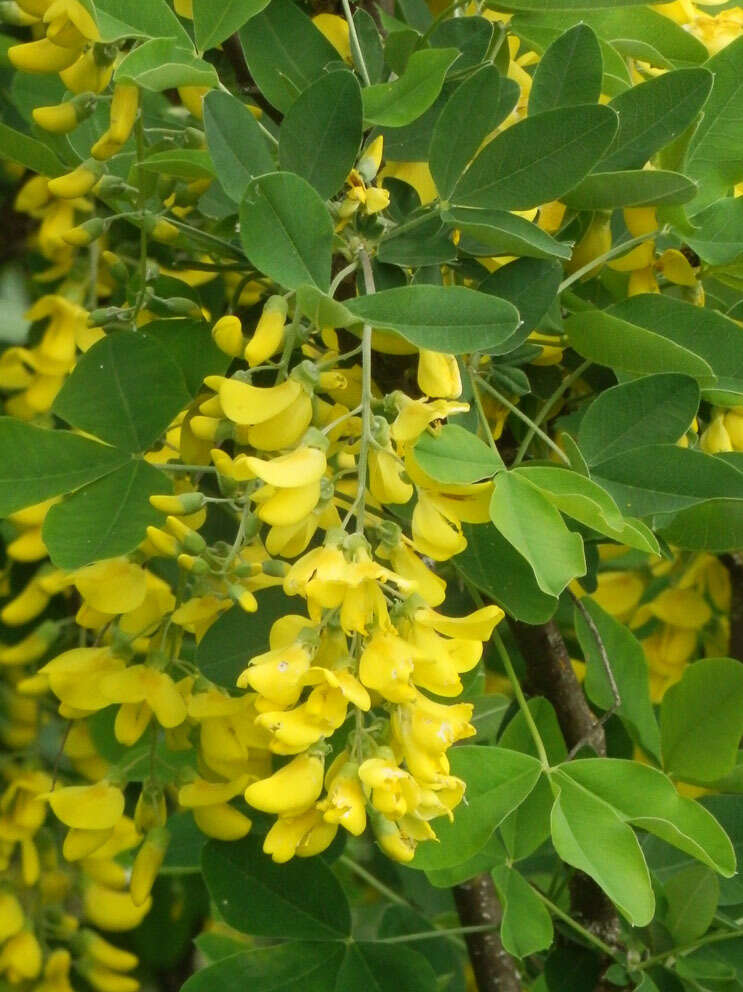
column 477, row 903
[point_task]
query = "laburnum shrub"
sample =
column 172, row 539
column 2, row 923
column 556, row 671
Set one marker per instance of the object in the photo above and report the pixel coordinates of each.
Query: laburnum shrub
column 371, row 471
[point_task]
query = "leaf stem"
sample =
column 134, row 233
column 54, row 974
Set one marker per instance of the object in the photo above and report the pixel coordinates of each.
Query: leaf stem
column 521, row 699
column 606, row 257
column 566, row 918
column 358, row 55
column 481, row 411
column 566, row 383
column 372, row 880
column 430, row 934
column 712, row 938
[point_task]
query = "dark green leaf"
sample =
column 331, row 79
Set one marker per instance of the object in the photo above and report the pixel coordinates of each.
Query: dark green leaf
column 716, row 525
column 452, row 319
column 237, row 636
column 691, row 898
column 492, row 564
column 701, row 720
column 538, row 159
column 652, row 114
column 402, row 101
column 551, row 5
column 718, row 239
column 105, row 518
column 413, row 244
column 186, row 842
column 285, row 52
column 119, row 19
column 655, row 408
column 527, row 926
column 189, row 343
column 290, row 967
column 321, row 132
column 126, row 389
column 639, row 188
column 499, row 232
column 370, row 43
column 36, row 463
column 531, row 285
column 185, row 163
column 27, row 151
column 535, row 528
column 236, row 143
column 163, row 63
column 473, row 111
column 569, row 72
column 379, row 968
column 301, row 900
column 287, row 231
column 213, row 22
column 453, row 454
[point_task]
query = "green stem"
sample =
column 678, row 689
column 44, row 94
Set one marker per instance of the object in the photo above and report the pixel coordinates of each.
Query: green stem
column 481, row 411
column 366, row 400
column 430, row 934
column 522, row 416
column 358, row 55
column 521, row 699
column 370, row 879
column 141, row 200
column 566, row 918
column 713, row 938
column 606, row 257
column 566, row 383
column 171, row 467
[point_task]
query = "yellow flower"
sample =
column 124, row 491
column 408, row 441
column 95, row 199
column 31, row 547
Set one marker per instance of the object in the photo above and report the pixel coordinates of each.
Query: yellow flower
column 75, row 677
column 335, row 29
column 88, row 807
column 41, row 56
column 142, row 684
column 291, row 790
column 305, row 835
column 438, row 374
column 147, row 864
column 222, row 821
column 228, row 335
column 269, row 332
column 113, row 910
column 386, row 666
column 112, row 586
column 345, row 803
column 249, row 405
column 21, row 957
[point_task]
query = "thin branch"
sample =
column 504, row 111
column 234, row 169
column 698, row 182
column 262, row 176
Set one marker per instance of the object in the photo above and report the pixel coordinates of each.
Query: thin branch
column 606, row 663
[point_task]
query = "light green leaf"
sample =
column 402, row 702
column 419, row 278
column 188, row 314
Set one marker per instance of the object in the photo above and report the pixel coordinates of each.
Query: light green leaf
column 185, row 163
column 655, row 408
column 551, row 5
column 609, row 338
column 712, row 157
column 29, row 152
column 575, row 495
column 537, row 159
column 691, row 898
column 404, row 100
column 638, row 188
column 162, row 64
column 495, row 567
column 663, row 478
column 322, row 309
column 653, row 114
column 529, row 522
column 126, row 389
column 452, row 319
column 36, row 463
column 629, row 668
column 584, row 829
column 285, row 52
column 213, row 22
column 647, row 798
column 716, row 525
column 498, row 232
column 287, row 231
column 301, row 900
column 527, row 926
column 106, row 518
column 236, row 143
column 321, row 132
column 569, row 72
column 453, row 454
column 119, row 19
column 473, row 111
column 497, row 782
column 701, row 720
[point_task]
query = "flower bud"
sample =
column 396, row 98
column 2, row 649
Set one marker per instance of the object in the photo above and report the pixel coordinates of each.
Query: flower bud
column 269, row 333
column 147, row 864
column 228, row 336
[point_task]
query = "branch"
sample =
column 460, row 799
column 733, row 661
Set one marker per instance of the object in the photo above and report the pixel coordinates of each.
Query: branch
column 477, row 903
column 734, row 565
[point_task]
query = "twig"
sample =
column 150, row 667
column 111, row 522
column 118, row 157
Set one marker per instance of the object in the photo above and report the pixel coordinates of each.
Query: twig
column 605, row 661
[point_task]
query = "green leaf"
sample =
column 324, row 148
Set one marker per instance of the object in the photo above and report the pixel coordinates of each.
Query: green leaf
column 453, row 454
column 492, row 564
column 213, row 22
column 653, row 114
column 106, row 518
column 321, row 132
column 535, row 528
column 638, row 188
column 413, row 244
column 285, row 52
column 411, row 94
column 492, row 854
column 629, row 668
column 185, row 163
column 711, row 157
column 370, row 43
column 716, row 339
column 498, row 232
column 186, row 842
column 380, row 968
column 575, row 495
column 569, row 72
column 611, row 339
column 527, row 926
column 537, row 159
column 653, row 409
column 701, row 720
column 691, row 898
column 36, row 463
column 119, row 19
column 473, row 111
column 291, row 967
column 322, row 309
column 237, row 636
column 551, row 5
column 718, row 238
column 531, row 285
column 497, row 782
column 286, row 230
column 647, row 798
column 301, row 900
column 716, row 525
column 236, row 143
column 163, row 63
column 29, row 152
column 584, row 829
column 126, row 389
column 663, row 478
column 191, row 346
column 452, row 319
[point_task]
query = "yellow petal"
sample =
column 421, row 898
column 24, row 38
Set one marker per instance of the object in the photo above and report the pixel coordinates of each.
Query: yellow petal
column 112, row 586
column 246, row 405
